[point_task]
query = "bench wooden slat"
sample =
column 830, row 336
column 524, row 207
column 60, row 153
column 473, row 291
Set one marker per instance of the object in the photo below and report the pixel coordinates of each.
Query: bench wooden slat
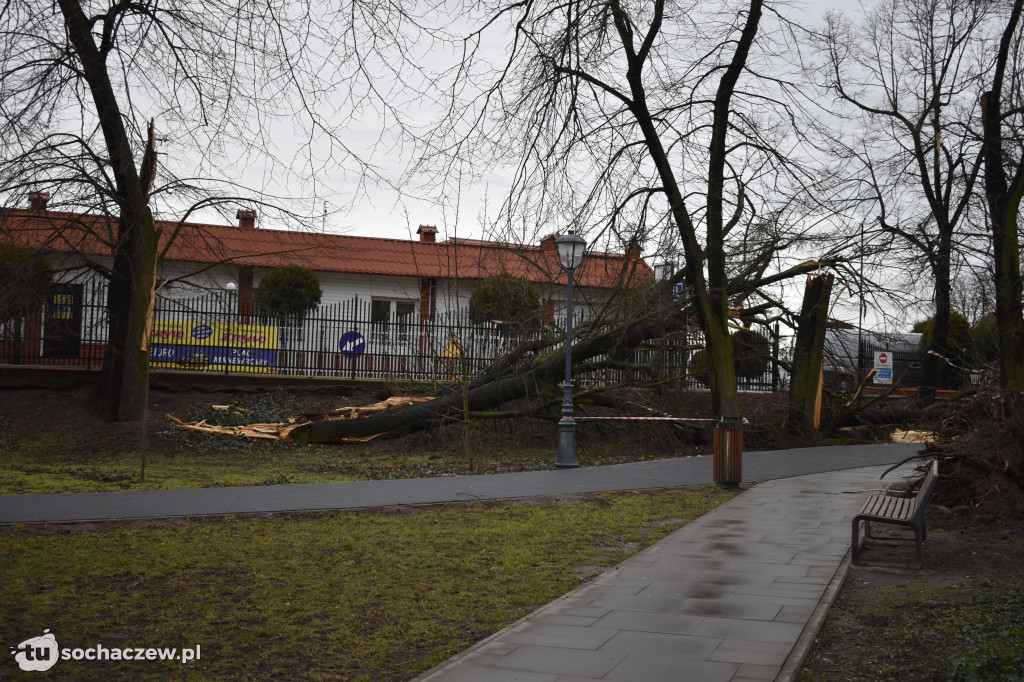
column 889, row 506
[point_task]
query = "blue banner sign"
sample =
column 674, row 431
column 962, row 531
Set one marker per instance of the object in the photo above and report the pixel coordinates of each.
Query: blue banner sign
column 212, row 357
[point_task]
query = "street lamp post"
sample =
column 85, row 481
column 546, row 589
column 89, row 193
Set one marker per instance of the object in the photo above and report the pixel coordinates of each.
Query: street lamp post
column 230, row 288
column 570, row 249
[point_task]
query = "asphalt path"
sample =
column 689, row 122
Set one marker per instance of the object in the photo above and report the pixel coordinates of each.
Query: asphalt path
column 661, row 473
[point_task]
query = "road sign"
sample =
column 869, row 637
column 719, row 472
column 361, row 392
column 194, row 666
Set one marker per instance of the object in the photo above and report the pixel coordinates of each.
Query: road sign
column 352, row 344
column 883, row 368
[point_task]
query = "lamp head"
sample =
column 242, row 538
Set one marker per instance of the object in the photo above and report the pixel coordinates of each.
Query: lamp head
column 570, row 249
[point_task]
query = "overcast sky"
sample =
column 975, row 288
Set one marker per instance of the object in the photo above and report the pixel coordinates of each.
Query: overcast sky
column 379, row 211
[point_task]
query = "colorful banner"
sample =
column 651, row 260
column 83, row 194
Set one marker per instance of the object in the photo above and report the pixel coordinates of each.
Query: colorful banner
column 213, row 347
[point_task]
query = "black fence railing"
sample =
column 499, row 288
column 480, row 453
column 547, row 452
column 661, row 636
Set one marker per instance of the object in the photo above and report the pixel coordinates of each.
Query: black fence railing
column 907, row 365
column 850, row 357
column 353, row 339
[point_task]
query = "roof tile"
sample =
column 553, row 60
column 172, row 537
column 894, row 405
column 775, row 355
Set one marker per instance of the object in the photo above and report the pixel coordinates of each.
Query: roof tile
column 57, row 232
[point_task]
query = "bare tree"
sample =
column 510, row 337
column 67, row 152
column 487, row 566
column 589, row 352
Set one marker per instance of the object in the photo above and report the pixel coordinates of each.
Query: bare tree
column 89, row 87
column 633, row 121
column 910, row 72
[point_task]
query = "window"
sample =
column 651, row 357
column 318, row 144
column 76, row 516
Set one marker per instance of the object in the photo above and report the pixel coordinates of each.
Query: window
column 387, row 316
column 405, row 317
column 380, row 311
column 380, row 315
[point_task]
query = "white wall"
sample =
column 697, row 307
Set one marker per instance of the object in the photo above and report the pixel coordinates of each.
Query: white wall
column 453, row 295
column 342, row 287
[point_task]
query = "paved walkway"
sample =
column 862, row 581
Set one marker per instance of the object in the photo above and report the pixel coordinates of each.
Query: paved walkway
column 736, row 595
column 757, row 466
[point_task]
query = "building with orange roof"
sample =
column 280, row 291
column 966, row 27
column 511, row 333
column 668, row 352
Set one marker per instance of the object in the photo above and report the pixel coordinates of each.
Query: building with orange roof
column 423, row 276
column 388, row 307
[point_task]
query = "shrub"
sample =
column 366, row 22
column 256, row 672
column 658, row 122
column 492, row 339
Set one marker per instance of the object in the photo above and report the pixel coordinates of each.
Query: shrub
column 24, row 281
column 512, row 301
column 960, row 345
column 751, row 353
column 289, row 292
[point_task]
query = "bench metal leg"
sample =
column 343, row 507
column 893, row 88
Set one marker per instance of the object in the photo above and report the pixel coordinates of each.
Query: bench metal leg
column 860, row 542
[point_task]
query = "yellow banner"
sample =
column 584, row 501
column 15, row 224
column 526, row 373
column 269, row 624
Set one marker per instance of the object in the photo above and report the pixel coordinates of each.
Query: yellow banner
column 213, row 347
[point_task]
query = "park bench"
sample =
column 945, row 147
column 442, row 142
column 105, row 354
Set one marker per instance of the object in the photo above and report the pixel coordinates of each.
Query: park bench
column 900, row 510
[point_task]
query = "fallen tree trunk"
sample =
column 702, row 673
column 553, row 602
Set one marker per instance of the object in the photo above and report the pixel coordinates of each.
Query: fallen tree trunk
column 280, row 430
column 524, row 380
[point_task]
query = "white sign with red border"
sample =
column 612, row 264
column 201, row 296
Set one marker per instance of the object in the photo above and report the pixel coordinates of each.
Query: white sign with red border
column 883, row 368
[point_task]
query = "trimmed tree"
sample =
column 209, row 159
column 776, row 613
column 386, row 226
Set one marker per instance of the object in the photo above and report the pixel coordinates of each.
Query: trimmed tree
column 808, row 353
column 288, row 293
column 959, row 347
column 507, row 299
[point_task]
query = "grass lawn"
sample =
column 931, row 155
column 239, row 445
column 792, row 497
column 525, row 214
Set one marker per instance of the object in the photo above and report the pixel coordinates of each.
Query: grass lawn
column 960, row 618
column 926, row 633
column 86, row 459
column 374, row 595
column 50, row 465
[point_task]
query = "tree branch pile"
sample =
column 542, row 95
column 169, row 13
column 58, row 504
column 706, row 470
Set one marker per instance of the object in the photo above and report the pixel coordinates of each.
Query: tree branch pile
column 980, row 444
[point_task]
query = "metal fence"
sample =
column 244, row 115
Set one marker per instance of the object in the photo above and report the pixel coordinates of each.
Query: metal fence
column 354, row 339
column 849, row 357
column 907, row 365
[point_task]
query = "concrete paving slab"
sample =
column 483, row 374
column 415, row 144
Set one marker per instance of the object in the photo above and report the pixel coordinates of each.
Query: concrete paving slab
column 754, row 630
column 748, row 652
column 560, row 661
column 560, row 635
column 749, row 671
column 741, row 620
column 637, row 668
column 641, row 621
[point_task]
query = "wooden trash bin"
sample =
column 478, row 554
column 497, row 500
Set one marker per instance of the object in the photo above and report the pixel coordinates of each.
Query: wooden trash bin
column 728, row 451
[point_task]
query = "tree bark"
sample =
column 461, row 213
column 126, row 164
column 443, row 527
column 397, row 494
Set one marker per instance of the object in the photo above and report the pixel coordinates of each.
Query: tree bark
column 120, row 390
column 808, row 353
column 934, row 366
column 1004, row 198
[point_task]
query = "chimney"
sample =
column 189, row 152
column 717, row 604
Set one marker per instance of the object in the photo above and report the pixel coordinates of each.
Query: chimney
column 37, row 200
column 633, row 250
column 427, row 233
column 547, row 243
column 246, row 219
